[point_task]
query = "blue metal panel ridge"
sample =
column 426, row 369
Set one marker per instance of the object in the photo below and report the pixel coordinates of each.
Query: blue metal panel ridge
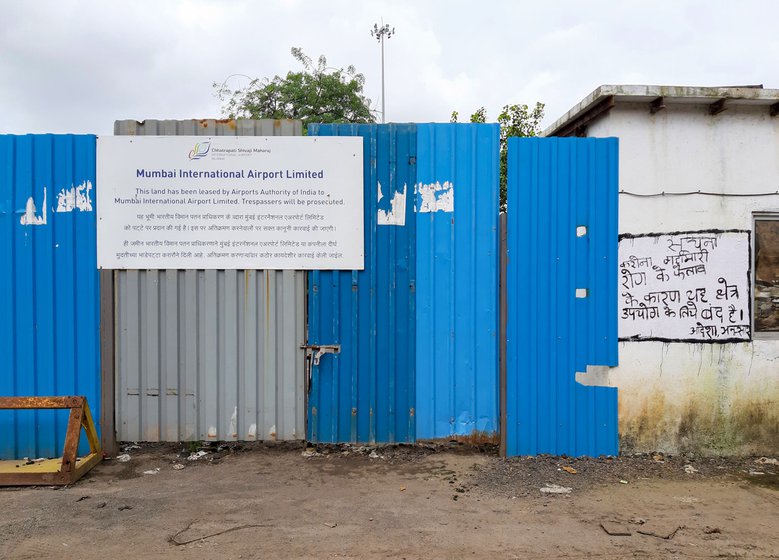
column 562, row 295
column 49, row 321
column 365, row 393
column 457, row 209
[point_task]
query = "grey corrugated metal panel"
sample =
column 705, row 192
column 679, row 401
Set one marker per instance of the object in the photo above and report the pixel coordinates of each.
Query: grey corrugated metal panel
column 209, row 127
column 210, row 355
column 107, row 377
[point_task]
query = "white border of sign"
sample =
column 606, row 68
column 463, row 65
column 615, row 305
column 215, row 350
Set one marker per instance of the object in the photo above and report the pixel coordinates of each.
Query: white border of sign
column 686, row 286
column 230, row 202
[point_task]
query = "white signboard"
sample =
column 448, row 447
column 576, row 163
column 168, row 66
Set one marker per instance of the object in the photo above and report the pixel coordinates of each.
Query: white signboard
column 685, row 286
column 230, row 202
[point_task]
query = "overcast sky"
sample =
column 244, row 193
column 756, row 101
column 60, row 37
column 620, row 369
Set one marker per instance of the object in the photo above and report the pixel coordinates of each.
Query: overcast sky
column 76, row 66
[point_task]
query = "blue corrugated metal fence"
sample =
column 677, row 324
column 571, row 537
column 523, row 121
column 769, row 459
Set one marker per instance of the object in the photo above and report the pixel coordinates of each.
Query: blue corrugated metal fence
column 49, row 321
column 417, row 328
column 366, row 392
column 556, row 186
column 457, row 204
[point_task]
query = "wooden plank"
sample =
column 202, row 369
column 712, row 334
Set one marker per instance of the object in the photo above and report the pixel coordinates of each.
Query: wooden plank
column 717, row 107
column 658, row 104
column 577, row 127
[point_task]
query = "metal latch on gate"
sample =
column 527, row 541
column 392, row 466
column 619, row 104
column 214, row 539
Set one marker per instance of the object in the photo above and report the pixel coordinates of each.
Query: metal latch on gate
column 316, row 351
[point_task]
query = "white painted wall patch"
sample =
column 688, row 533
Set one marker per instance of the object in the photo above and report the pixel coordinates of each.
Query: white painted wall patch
column 434, row 197
column 594, row 376
column 75, row 198
column 30, row 217
column 396, row 215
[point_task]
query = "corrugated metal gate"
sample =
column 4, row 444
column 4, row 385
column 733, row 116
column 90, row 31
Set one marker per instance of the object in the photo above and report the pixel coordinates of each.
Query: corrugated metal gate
column 365, row 393
column 562, row 295
column 214, row 354
column 49, row 319
column 457, row 205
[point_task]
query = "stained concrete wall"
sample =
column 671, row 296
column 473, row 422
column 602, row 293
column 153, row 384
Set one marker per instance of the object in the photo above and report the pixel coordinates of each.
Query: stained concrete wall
column 704, row 398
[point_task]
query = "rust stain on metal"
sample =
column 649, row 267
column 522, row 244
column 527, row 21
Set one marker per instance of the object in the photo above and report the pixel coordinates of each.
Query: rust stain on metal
column 18, row 403
column 477, row 437
column 205, row 123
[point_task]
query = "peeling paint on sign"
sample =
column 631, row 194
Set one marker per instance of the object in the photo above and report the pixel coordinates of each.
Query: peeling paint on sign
column 396, row 215
column 75, row 198
column 30, row 217
column 434, row 197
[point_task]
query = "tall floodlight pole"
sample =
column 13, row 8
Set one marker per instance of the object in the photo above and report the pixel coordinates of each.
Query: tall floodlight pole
column 379, row 33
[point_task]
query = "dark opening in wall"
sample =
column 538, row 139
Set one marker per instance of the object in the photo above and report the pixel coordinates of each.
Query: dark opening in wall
column 767, row 273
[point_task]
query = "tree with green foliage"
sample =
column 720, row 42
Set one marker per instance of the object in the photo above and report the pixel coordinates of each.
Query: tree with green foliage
column 514, row 120
column 317, row 94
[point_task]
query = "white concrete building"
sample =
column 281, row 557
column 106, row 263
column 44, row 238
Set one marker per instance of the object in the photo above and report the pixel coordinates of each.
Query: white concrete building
column 699, row 297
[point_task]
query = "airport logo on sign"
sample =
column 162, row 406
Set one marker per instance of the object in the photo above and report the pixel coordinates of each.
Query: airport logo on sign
column 200, row 150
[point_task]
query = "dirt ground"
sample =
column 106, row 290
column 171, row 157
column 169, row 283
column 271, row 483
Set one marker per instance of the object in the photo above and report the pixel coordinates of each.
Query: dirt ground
column 284, row 501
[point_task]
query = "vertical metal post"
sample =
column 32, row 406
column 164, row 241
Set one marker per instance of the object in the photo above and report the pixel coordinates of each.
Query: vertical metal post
column 107, row 375
column 503, row 306
column 383, row 114
column 379, row 33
